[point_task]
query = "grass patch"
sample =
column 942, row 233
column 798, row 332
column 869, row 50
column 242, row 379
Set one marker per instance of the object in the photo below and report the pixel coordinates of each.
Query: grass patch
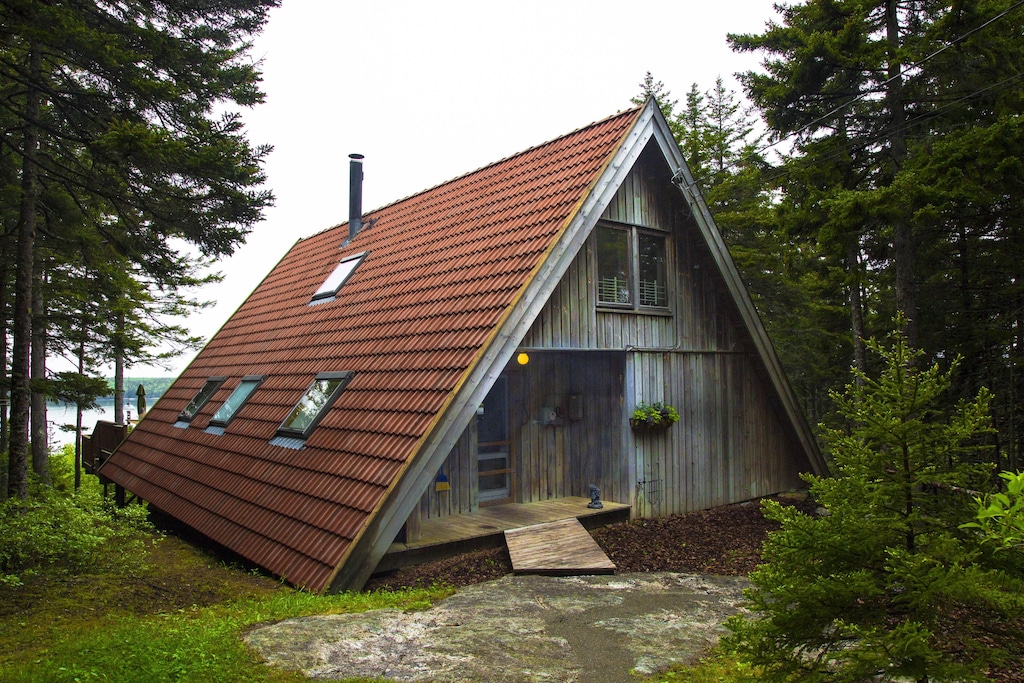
column 179, row 615
column 199, row 643
column 716, row 667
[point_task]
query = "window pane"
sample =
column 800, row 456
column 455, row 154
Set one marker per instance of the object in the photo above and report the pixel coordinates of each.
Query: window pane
column 314, row 403
column 338, row 277
column 499, row 461
column 653, row 271
column 492, row 424
column 235, row 401
column 201, row 398
column 493, row 483
column 613, row 267
column 311, row 404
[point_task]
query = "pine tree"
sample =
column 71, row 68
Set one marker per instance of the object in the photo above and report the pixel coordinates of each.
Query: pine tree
column 870, row 588
column 117, row 107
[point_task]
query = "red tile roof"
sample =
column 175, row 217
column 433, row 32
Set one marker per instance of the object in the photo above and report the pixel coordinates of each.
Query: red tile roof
column 443, row 267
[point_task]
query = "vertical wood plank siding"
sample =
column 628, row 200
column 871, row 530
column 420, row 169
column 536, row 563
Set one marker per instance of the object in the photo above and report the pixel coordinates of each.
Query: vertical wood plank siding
column 732, row 442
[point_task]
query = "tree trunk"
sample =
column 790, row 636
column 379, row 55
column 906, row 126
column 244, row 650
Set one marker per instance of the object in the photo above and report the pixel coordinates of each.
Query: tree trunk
column 903, row 239
column 17, row 484
column 857, row 311
column 119, row 372
column 40, row 437
column 5, row 393
column 78, row 411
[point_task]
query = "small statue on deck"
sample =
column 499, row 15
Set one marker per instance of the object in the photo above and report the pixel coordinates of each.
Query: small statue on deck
column 595, row 498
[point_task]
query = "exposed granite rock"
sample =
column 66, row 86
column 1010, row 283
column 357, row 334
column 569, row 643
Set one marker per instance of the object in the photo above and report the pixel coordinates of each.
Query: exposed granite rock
column 594, row 629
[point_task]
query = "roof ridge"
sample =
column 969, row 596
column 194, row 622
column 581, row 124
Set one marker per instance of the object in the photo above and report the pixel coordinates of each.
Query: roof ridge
column 592, row 124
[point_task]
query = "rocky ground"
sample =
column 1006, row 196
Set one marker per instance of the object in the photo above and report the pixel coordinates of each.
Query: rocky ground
column 721, row 541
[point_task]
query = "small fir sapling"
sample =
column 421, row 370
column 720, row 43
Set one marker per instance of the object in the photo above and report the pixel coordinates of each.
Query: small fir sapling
column 871, row 588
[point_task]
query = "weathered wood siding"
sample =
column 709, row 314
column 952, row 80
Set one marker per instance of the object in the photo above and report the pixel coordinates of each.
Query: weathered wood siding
column 732, row 442
column 461, row 470
column 729, row 444
column 584, row 444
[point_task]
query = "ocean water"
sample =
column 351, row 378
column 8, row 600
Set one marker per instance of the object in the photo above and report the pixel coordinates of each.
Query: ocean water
column 56, row 416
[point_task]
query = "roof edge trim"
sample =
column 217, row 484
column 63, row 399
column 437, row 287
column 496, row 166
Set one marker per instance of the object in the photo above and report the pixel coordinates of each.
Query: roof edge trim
column 366, row 550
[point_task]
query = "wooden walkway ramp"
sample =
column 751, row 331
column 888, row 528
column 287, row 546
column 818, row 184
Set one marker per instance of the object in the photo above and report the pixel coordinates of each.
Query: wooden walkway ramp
column 562, row 548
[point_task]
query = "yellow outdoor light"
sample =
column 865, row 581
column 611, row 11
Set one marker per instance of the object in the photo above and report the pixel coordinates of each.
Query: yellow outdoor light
column 523, row 358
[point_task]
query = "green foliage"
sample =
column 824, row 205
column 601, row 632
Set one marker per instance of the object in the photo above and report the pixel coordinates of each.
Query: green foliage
column 870, row 590
column 656, row 413
column 56, row 533
column 72, row 388
column 1001, row 515
column 715, row 668
column 900, row 187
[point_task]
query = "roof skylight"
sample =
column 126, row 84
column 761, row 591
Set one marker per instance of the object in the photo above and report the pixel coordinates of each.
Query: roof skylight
column 314, row 404
column 236, row 400
column 200, row 399
column 341, row 273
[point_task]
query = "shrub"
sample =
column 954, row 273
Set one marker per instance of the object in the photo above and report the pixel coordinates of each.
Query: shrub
column 1000, row 515
column 56, row 533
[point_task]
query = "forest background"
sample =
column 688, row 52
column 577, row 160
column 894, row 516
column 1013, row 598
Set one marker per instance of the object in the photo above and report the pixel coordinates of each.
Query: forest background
column 868, row 183
column 871, row 165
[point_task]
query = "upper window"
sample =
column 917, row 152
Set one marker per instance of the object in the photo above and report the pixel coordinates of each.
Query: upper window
column 341, row 273
column 632, row 268
column 314, row 404
column 236, row 400
column 200, row 399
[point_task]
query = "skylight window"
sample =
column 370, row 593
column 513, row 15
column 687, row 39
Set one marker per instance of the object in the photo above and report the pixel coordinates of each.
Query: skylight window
column 236, row 400
column 314, row 404
column 200, row 399
column 338, row 277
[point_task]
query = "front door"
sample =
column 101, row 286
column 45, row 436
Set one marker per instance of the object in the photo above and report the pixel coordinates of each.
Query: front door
column 494, row 446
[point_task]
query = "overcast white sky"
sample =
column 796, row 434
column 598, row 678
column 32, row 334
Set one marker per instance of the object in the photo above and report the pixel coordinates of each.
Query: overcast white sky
column 428, row 91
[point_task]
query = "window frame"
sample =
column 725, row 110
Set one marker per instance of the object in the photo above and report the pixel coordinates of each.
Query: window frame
column 323, row 293
column 257, row 379
column 634, row 233
column 294, row 433
column 214, row 384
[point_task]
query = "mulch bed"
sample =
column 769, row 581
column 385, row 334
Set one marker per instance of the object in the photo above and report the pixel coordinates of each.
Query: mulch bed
column 723, row 540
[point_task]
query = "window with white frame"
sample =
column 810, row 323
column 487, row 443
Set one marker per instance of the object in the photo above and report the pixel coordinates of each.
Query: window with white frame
column 338, row 277
column 632, row 268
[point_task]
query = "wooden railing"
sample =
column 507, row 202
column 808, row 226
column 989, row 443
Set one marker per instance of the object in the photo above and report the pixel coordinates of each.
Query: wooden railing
column 106, row 436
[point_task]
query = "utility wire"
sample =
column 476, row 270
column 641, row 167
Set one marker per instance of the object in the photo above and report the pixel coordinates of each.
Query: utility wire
column 850, row 144
column 903, row 71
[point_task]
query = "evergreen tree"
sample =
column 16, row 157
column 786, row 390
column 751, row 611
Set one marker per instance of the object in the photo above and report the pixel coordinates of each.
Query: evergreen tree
column 113, row 106
column 870, row 589
column 902, row 184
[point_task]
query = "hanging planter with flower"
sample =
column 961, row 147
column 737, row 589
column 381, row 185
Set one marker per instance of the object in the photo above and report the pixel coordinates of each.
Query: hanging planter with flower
column 653, row 417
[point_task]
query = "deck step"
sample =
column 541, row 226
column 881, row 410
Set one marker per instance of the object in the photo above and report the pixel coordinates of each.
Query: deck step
column 562, row 548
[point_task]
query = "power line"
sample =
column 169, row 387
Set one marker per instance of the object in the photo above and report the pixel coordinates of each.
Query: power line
column 851, row 143
column 903, row 71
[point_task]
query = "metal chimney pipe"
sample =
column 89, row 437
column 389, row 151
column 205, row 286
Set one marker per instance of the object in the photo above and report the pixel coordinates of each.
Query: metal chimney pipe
column 355, row 195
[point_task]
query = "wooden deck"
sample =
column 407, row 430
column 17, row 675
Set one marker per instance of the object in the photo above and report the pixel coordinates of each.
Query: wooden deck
column 446, row 536
column 562, row 548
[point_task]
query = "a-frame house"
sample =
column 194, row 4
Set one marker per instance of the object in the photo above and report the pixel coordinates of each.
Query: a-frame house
column 482, row 342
